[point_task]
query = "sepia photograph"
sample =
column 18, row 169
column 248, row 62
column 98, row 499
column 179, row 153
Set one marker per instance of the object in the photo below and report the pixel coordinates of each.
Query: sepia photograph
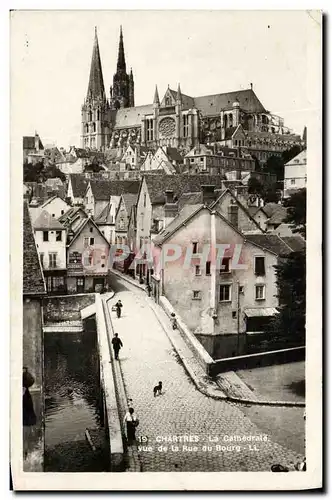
column 164, row 318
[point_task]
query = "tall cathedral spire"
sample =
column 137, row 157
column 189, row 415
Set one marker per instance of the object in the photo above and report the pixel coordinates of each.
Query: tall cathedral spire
column 96, row 82
column 121, row 66
column 122, row 95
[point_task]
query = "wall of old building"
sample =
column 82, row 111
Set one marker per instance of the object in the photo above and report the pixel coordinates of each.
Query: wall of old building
column 144, row 215
column 244, row 222
column 179, row 283
column 51, row 246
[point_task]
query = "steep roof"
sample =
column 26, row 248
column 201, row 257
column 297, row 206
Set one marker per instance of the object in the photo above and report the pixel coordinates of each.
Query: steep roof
column 80, row 227
column 187, row 212
column 33, row 278
column 187, row 101
column 174, row 155
column 46, row 221
column 79, row 184
column 179, row 183
column 271, row 242
column 184, row 216
column 96, row 81
column 296, row 242
column 129, row 200
column 47, row 202
column 278, row 215
column 270, row 208
column 102, row 189
column 29, row 142
column 70, row 215
column 213, row 104
column 131, row 117
column 300, row 159
column 243, row 207
column 105, row 216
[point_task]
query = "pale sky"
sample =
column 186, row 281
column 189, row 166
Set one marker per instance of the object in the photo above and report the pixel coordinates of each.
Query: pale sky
column 207, row 52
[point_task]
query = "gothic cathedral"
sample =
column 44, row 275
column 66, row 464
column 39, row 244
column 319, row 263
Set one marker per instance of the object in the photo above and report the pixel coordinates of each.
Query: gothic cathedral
column 233, row 119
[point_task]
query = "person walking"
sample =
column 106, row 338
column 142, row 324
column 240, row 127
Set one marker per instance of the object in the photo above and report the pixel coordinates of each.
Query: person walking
column 118, row 306
column 117, row 344
column 131, row 421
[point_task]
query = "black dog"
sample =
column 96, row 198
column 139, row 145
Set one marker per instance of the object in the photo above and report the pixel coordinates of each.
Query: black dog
column 157, row 389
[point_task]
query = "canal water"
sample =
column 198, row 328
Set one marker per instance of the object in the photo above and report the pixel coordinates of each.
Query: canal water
column 73, row 402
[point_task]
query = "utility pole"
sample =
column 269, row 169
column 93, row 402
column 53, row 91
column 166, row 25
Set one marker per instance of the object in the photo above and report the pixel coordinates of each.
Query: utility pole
column 238, row 317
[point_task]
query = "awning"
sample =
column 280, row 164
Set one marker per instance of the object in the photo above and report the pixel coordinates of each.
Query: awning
column 259, row 312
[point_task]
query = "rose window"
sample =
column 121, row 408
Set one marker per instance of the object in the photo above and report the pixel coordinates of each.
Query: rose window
column 167, row 127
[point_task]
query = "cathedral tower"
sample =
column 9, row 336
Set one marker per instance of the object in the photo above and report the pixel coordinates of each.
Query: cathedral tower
column 95, row 110
column 122, row 92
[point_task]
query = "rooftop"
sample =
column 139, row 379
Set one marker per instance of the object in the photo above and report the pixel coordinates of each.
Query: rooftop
column 33, row 278
column 178, row 183
column 270, row 242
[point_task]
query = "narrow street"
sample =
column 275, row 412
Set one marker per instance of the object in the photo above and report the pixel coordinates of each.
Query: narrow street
column 148, row 357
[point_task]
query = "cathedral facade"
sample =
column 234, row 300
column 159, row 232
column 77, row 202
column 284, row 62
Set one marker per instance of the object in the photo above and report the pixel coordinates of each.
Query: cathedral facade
column 235, row 119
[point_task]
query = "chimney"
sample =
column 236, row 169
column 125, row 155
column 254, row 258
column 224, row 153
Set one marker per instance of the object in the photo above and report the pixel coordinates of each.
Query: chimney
column 36, row 141
column 209, row 195
column 169, row 196
column 170, row 207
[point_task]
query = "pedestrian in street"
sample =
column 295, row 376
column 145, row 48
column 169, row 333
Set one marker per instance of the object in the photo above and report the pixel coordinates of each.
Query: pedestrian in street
column 131, row 421
column 174, row 322
column 118, row 307
column 149, row 289
column 117, row 344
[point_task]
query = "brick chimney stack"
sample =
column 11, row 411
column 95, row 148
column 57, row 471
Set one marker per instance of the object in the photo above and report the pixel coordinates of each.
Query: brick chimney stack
column 170, row 207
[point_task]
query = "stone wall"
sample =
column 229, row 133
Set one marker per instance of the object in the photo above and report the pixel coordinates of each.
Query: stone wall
column 258, row 360
column 66, row 307
column 33, row 436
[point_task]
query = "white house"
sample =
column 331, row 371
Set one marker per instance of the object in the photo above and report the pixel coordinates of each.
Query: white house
column 295, row 174
column 50, row 237
column 54, row 206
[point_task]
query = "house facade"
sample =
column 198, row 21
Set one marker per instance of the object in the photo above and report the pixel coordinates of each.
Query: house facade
column 87, row 259
column 225, row 304
column 32, row 146
column 50, row 237
column 214, row 160
column 54, row 206
column 295, row 174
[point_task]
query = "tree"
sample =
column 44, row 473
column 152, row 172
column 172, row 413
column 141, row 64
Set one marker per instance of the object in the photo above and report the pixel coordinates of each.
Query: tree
column 268, row 191
column 255, row 186
column 38, row 172
column 52, row 172
column 296, row 206
column 275, row 166
column 289, row 324
column 93, row 167
column 33, row 172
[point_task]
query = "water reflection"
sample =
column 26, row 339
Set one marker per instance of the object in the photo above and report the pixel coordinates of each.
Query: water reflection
column 72, row 400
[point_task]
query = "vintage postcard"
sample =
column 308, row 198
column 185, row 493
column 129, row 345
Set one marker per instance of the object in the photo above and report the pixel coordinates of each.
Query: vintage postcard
column 166, row 179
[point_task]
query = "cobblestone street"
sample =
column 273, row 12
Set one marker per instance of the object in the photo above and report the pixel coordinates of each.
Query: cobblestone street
column 147, row 356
